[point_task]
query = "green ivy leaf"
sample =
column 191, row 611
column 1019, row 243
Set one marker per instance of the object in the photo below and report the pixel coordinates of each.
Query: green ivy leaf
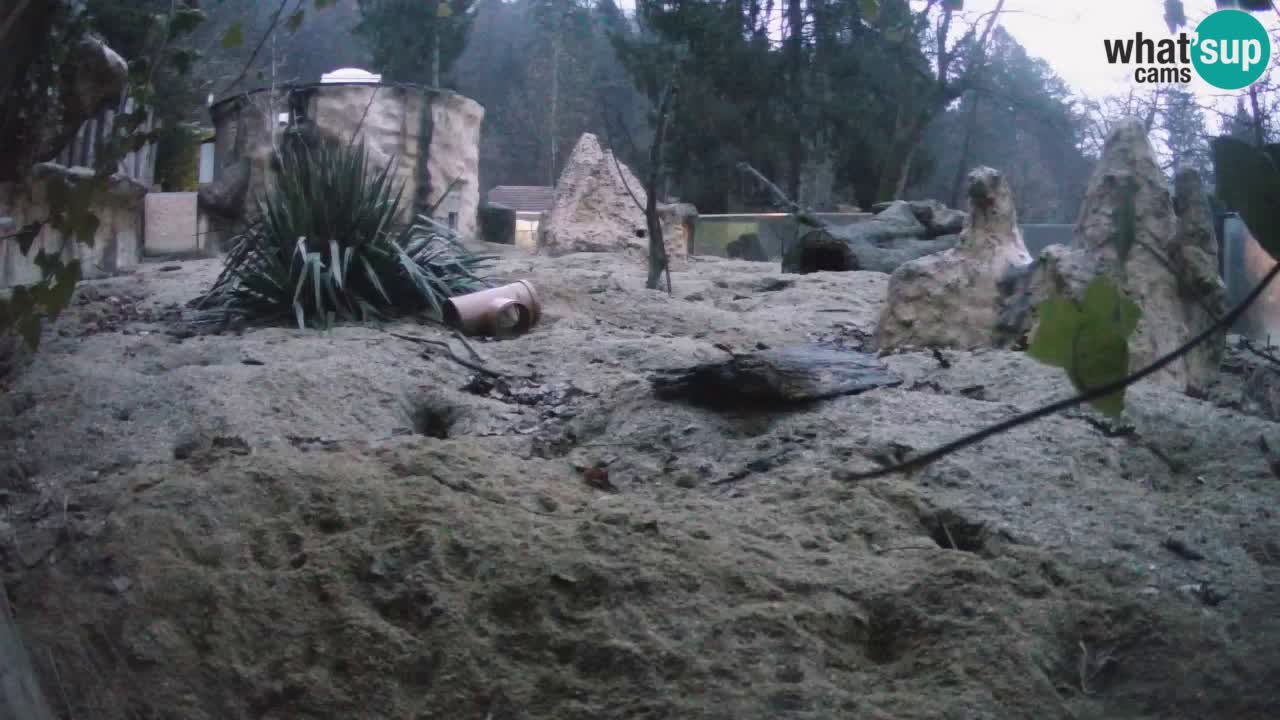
column 1089, row 339
column 322, row 4
column 294, row 21
column 48, row 263
column 58, row 195
column 58, row 296
column 183, row 59
column 233, row 37
column 21, row 313
column 870, row 10
column 27, row 235
column 1248, row 182
column 185, row 21
column 85, row 227
column 29, row 328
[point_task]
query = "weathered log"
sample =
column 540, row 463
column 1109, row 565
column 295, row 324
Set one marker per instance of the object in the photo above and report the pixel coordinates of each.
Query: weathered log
column 819, row 251
column 774, row 378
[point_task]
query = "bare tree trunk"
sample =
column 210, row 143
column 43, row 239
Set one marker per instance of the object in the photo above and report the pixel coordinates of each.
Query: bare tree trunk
column 795, row 61
column 555, row 97
column 962, row 165
column 1259, row 131
column 897, row 167
column 657, row 244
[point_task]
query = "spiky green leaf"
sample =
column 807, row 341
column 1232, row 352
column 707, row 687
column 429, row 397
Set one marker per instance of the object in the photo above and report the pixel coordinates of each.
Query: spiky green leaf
column 1089, row 339
column 233, row 36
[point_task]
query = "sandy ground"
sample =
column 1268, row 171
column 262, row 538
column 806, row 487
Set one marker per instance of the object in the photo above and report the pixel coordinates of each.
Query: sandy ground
column 268, row 523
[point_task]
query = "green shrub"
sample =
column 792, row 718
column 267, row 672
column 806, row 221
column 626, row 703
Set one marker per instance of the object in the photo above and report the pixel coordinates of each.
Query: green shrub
column 326, row 245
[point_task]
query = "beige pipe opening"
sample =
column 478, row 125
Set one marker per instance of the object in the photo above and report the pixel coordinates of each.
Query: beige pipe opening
column 504, row 311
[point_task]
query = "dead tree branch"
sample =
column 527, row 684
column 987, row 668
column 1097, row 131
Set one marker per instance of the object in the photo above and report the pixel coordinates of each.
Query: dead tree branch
column 262, row 41
column 801, row 213
column 617, row 165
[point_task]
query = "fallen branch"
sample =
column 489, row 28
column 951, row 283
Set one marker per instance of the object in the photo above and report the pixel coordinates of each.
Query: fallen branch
column 1247, row 345
column 476, row 366
column 780, row 199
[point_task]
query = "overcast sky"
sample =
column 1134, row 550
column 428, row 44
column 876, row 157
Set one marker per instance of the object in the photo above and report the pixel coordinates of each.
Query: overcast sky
column 1069, row 34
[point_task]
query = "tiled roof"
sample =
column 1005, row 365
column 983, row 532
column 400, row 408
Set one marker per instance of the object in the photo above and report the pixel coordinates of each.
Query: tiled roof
column 523, row 198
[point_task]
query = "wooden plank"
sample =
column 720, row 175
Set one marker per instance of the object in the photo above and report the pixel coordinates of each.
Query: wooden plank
column 775, row 378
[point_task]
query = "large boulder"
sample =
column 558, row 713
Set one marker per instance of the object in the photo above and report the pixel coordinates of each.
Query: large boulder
column 881, row 244
column 937, row 218
column 895, row 222
column 598, row 208
column 678, row 221
column 747, row 247
column 819, row 251
column 1170, row 271
column 225, row 197
column 953, row 298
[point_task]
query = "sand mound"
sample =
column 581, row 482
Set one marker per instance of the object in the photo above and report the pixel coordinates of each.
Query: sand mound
column 281, row 524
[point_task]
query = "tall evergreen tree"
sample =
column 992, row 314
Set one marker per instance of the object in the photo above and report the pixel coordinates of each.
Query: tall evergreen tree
column 1185, row 136
column 415, row 41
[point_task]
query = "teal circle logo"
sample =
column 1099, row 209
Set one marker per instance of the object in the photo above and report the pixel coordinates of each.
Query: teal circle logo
column 1232, row 49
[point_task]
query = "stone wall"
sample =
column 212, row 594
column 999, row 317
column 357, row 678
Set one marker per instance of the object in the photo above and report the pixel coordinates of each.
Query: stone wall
column 117, row 243
column 173, row 226
column 431, row 137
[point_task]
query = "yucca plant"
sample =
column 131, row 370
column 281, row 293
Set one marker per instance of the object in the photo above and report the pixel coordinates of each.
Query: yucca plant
column 325, row 245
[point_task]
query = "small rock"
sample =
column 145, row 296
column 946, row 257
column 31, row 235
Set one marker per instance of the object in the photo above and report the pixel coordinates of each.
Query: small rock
column 121, row 584
column 1182, row 550
column 185, row 448
column 548, row 503
column 695, row 297
column 775, row 284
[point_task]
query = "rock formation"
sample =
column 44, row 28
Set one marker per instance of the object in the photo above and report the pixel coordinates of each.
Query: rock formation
column 1170, row 271
column 225, row 196
column 747, row 247
column 881, row 244
column 952, row 299
column 597, row 209
column 91, row 77
column 938, row 219
column 819, row 251
column 429, row 137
